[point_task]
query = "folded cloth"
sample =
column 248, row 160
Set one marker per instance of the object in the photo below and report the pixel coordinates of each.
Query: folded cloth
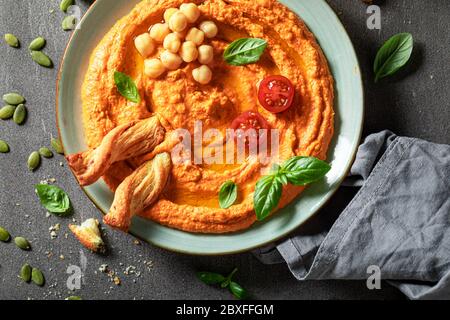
column 399, row 222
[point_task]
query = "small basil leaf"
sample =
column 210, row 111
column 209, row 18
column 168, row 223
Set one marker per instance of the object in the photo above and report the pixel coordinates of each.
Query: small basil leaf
column 393, row 55
column 267, row 196
column 301, row 171
column 126, row 87
column 54, row 199
column 211, row 277
column 244, row 51
column 237, row 290
column 227, row 194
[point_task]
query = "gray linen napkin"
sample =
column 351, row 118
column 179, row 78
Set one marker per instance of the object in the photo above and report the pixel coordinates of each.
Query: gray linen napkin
column 399, row 221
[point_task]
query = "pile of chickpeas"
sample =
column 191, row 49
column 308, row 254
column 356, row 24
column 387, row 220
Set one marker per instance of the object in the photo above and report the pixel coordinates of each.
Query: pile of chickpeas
column 180, row 43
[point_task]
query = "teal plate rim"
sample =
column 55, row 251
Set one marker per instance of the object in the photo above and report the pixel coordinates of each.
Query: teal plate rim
column 344, row 65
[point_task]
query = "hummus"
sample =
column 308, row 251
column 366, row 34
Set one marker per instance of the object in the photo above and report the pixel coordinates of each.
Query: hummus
column 190, row 200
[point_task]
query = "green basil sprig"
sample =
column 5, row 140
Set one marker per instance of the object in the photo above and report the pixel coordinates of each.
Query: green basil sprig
column 393, row 55
column 227, row 194
column 54, row 199
column 267, row 195
column 126, row 87
column 298, row 171
column 212, row 278
column 244, row 51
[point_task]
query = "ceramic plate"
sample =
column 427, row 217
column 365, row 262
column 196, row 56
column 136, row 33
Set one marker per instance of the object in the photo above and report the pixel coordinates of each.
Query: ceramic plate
column 336, row 44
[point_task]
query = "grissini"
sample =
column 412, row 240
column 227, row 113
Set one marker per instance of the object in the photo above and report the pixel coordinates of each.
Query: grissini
column 123, row 142
column 138, row 191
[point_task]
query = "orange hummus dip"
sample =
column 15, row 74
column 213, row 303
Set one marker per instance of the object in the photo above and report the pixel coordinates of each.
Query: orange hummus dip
column 190, row 200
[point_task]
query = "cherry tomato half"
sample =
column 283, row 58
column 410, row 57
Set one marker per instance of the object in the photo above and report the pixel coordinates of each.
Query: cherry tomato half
column 276, row 93
column 249, row 120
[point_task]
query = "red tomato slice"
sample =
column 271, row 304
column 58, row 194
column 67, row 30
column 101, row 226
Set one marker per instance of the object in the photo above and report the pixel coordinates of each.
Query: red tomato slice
column 249, row 120
column 276, row 93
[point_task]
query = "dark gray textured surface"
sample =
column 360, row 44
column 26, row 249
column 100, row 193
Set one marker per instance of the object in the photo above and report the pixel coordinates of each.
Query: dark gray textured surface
column 415, row 103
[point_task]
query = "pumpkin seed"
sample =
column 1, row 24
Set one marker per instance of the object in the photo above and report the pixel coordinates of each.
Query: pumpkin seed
column 45, row 152
column 13, row 98
column 4, row 235
column 37, row 277
column 4, row 147
column 7, row 112
column 74, row 298
column 41, row 58
column 12, row 40
column 57, row 146
column 37, row 44
column 25, row 272
column 20, row 114
column 34, row 160
column 69, row 23
column 65, row 4
column 22, row 243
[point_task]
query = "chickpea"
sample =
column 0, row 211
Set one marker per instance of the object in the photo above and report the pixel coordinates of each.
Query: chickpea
column 178, row 22
column 153, row 68
column 191, row 11
column 209, row 28
column 188, row 51
column 144, row 45
column 169, row 13
column 202, row 75
column 205, row 54
column 159, row 31
column 172, row 42
column 195, row 35
column 182, row 34
column 170, row 60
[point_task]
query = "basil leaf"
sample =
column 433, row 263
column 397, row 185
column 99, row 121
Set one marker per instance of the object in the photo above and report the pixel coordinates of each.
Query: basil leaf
column 237, row 290
column 216, row 278
column 267, row 195
column 393, row 55
column 244, row 51
column 211, row 277
column 301, row 171
column 227, row 194
column 298, row 171
column 54, row 199
column 126, row 87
